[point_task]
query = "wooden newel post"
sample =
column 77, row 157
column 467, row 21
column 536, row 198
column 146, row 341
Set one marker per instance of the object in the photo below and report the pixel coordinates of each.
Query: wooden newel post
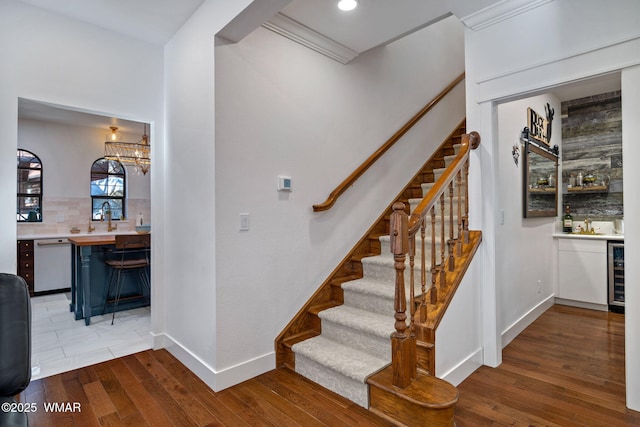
column 403, row 347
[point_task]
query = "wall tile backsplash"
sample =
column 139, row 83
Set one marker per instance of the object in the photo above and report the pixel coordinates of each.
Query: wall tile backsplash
column 61, row 214
column 592, row 143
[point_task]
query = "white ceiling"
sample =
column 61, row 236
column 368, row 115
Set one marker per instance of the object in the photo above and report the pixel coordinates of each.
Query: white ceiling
column 63, row 115
column 373, row 23
column 153, row 21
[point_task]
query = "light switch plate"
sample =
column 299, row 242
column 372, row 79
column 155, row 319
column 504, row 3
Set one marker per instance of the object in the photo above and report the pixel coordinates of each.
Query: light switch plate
column 244, row 222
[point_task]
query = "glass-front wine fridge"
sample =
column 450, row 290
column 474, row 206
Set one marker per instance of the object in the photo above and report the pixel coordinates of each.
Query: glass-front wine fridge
column 615, row 256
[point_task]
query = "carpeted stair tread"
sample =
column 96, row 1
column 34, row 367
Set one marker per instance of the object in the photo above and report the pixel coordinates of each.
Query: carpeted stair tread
column 386, row 260
column 367, row 286
column 361, row 320
column 416, row 200
column 449, row 159
column 382, row 259
column 340, row 358
column 372, row 295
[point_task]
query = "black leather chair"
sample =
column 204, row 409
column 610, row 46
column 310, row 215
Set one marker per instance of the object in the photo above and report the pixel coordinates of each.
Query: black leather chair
column 15, row 345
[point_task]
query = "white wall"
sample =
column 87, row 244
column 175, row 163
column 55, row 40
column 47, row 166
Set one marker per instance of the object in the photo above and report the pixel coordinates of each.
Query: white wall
column 573, row 39
column 631, row 175
column 283, row 109
column 58, row 60
column 67, row 153
column 189, row 326
column 521, row 265
column 459, row 335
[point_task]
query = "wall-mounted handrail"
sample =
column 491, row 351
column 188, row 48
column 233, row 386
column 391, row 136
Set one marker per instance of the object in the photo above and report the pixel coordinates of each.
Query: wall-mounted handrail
column 333, row 196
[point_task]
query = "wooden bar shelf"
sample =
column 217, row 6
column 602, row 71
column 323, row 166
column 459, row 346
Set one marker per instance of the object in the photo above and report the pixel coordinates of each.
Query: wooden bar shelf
column 545, row 190
column 589, row 189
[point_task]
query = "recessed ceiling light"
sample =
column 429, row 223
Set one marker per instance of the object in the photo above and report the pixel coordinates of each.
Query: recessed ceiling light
column 347, row 4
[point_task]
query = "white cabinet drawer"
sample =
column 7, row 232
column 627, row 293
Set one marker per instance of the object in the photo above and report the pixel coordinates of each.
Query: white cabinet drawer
column 583, row 245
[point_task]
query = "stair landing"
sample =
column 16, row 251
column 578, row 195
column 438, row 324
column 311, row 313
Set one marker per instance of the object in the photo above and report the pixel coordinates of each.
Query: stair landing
column 428, row 401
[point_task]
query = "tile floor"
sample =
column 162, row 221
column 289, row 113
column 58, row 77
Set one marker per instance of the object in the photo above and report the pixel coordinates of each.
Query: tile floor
column 59, row 343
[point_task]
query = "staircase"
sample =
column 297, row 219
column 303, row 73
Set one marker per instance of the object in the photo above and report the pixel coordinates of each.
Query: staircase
column 342, row 335
column 354, row 340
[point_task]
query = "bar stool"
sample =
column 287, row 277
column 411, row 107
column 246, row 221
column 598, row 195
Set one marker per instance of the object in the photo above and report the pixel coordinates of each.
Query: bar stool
column 131, row 257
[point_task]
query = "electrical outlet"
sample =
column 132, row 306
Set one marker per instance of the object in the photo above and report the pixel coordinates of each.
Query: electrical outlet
column 539, row 286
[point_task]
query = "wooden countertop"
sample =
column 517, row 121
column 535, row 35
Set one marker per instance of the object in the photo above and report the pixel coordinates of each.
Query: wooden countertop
column 85, row 240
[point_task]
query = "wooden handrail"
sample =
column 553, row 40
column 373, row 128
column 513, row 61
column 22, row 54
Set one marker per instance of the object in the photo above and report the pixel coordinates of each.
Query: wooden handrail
column 404, row 236
column 470, row 141
column 333, row 196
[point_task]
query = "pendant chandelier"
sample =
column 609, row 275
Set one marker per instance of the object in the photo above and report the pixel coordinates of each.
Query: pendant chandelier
column 135, row 154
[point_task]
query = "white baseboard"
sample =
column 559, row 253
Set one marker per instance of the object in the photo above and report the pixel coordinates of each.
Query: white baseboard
column 580, row 304
column 462, row 370
column 217, row 380
column 520, row 325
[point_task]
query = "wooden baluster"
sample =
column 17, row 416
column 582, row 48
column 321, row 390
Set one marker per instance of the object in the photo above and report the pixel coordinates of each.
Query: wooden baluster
column 442, row 242
column 423, row 274
column 403, row 347
column 465, row 218
column 459, row 184
column 434, row 269
column 413, row 361
column 412, row 295
column 451, row 242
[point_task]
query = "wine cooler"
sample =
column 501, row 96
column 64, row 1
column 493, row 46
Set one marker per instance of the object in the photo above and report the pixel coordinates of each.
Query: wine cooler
column 615, row 256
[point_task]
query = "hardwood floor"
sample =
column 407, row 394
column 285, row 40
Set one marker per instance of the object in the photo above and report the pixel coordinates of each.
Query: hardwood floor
column 153, row 389
column 566, row 369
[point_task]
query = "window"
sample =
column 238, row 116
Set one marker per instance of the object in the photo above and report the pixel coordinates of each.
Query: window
column 107, row 189
column 29, row 204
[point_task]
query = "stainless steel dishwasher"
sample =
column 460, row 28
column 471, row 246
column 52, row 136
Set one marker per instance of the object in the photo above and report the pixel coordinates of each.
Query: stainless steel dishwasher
column 52, row 265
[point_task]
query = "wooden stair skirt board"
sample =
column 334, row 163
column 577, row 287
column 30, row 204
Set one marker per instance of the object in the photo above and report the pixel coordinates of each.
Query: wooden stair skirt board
column 428, row 401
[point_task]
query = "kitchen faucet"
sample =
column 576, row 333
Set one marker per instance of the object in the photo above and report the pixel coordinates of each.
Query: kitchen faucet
column 110, row 227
